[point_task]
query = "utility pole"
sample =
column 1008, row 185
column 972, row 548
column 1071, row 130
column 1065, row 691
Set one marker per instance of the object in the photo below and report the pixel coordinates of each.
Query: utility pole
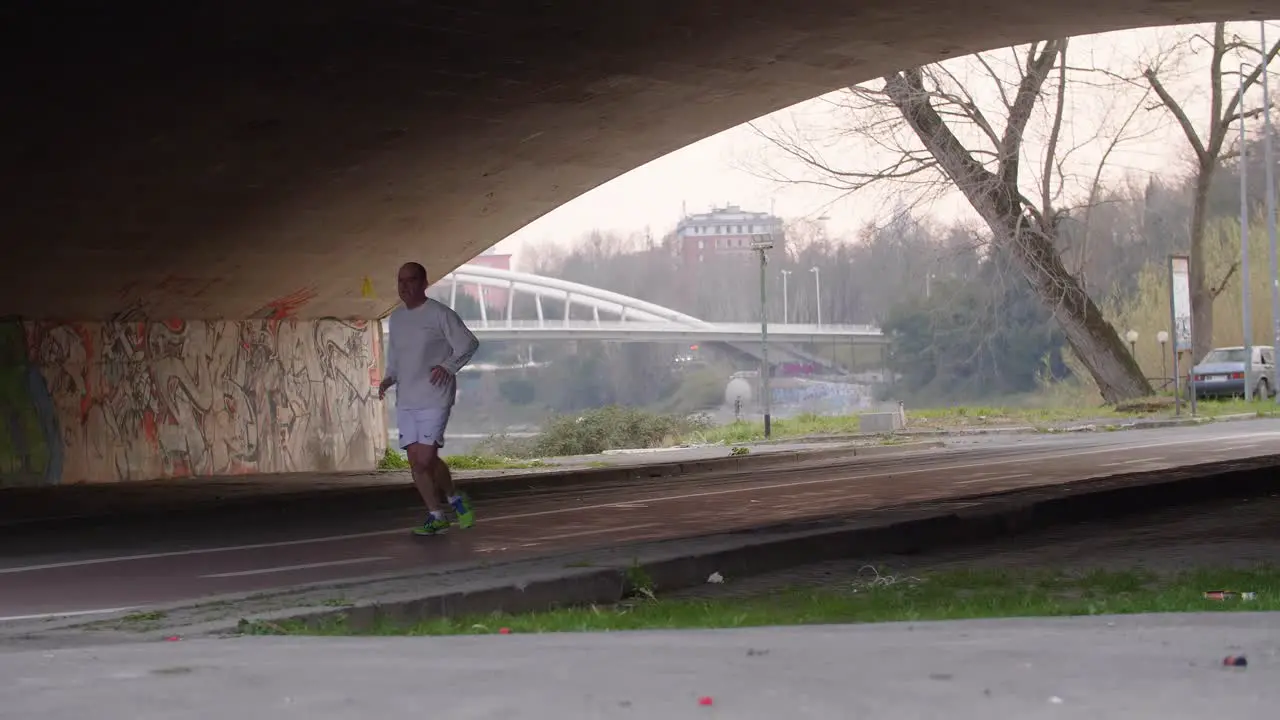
column 817, row 291
column 1269, row 162
column 763, row 246
column 1246, row 303
column 785, row 273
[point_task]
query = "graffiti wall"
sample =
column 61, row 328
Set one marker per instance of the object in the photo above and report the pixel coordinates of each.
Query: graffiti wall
column 794, row 396
column 109, row 402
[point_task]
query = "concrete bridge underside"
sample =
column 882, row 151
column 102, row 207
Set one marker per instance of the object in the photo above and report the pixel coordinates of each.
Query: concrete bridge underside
column 192, row 190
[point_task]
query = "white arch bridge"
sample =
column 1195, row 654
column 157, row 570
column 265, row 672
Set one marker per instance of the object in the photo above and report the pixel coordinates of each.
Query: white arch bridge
column 619, row 318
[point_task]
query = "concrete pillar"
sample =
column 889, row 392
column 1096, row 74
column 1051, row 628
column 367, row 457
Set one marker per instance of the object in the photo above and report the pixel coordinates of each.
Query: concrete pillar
column 110, row 402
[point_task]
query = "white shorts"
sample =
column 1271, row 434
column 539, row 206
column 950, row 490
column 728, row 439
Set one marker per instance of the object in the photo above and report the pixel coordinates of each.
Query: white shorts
column 422, row 426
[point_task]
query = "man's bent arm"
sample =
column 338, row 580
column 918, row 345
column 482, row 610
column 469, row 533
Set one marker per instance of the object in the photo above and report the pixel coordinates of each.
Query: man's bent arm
column 461, row 340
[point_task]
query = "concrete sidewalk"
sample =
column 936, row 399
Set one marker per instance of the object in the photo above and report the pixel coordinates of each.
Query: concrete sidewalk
column 1122, row 667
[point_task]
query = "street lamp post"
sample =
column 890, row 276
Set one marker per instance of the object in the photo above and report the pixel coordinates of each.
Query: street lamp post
column 817, row 291
column 1269, row 164
column 763, row 246
column 1162, row 337
column 785, row 273
column 1246, row 303
column 1132, row 337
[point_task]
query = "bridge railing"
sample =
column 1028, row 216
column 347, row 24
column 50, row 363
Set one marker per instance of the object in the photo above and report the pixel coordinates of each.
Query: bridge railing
column 644, row 326
column 636, row 314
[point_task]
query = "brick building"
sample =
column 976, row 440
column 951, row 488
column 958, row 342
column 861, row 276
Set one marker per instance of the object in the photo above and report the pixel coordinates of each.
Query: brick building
column 726, row 231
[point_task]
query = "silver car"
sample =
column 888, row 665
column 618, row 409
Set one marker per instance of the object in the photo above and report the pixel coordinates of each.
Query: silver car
column 1221, row 373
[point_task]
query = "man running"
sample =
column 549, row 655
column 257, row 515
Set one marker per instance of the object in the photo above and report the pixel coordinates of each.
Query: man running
column 428, row 345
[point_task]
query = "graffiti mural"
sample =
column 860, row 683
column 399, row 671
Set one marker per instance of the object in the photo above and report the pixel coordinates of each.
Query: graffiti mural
column 29, row 453
column 119, row 401
column 823, row 398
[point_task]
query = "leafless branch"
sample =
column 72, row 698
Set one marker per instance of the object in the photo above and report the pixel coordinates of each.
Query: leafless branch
column 1178, row 113
column 1226, row 280
column 1038, row 67
column 1051, row 147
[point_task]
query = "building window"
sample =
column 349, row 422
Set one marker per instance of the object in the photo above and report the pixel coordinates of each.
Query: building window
column 701, row 244
column 699, row 257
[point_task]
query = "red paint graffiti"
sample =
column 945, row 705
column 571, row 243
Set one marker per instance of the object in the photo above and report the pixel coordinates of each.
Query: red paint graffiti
column 136, row 401
column 287, row 307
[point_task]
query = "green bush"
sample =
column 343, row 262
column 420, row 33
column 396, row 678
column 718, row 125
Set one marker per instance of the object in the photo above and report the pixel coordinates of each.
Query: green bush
column 598, row 430
column 488, row 462
column 393, row 459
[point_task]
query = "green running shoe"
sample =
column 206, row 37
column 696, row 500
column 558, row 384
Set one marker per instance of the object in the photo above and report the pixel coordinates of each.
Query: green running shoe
column 433, row 526
column 466, row 514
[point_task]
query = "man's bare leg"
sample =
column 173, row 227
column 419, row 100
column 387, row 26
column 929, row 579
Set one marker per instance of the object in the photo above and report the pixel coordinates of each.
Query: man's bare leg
column 442, row 477
column 422, row 461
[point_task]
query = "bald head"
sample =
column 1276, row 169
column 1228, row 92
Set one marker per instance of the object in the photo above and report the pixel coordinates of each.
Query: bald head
column 417, row 269
column 411, row 284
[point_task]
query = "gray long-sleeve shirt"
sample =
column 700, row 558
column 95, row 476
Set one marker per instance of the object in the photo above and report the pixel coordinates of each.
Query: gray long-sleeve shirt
column 419, row 339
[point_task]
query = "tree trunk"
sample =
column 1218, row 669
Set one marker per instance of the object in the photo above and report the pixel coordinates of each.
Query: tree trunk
column 1030, row 240
column 1113, row 368
column 1198, row 279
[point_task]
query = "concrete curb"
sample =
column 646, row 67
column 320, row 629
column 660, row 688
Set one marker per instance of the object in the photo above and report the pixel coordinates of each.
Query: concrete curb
column 908, row 529
column 1094, row 426
column 631, row 473
column 392, row 495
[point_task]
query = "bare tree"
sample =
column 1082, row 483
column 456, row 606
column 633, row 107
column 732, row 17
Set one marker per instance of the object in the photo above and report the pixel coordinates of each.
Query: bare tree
column 1224, row 111
column 955, row 143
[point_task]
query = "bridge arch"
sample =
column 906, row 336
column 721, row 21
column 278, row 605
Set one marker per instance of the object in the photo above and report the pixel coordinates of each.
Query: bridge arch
column 296, row 162
column 570, row 293
column 599, row 300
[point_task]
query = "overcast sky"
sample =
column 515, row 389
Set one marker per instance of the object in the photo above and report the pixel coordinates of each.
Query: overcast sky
column 717, row 170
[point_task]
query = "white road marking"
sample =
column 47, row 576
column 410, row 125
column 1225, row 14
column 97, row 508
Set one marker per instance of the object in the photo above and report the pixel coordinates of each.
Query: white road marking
column 290, row 568
column 601, row 531
column 1133, row 461
column 71, row 613
column 1184, row 442
column 1231, row 448
column 993, row 479
column 585, row 533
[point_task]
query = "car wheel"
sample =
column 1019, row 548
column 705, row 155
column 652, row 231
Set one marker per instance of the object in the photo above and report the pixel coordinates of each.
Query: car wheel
column 1263, row 390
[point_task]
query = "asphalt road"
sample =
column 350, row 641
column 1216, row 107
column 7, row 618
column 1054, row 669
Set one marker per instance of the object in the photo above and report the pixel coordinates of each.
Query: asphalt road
column 1094, row 668
column 106, row 569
